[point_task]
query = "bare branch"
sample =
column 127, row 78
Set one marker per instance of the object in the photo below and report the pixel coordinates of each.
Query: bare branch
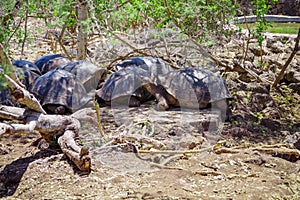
column 289, row 60
column 23, row 96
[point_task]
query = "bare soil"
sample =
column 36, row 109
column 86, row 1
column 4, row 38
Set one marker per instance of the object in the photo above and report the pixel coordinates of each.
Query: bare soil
column 241, row 172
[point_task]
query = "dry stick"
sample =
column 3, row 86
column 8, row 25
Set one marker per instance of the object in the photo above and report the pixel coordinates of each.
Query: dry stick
column 17, row 28
column 66, row 127
column 97, row 108
column 113, row 9
column 247, row 39
column 296, row 49
column 4, row 61
column 10, row 116
column 205, row 53
column 211, row 148
column 25, row 32
column 23, row 96
column 11, row 14
column 175, row 152
column 61, row 44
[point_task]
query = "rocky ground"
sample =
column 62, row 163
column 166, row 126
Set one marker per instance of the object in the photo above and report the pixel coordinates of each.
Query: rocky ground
column 258, row 158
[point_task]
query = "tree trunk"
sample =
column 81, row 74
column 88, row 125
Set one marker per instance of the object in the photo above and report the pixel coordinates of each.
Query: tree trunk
column 82, row 35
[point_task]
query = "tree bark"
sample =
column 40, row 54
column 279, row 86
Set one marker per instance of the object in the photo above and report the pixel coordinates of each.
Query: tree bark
column 82, row 34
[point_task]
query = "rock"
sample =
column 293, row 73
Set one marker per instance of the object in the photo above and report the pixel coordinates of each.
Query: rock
column 245, row 77
column 276, row 47
column 238, row 132
column 271, row 112
column 295, row 87
column 271, row 124
column 249, row 57
column 261, row 101
column 242, row 96
column 256, row 50
column 261, row 88
column 257, row 88
column 293, row 139
column 268, row 75
column 292, row 76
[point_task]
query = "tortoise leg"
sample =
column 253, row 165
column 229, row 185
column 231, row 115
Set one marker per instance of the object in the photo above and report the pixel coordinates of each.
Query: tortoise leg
column 134, row 102
column 222, row 105
column 159, row 94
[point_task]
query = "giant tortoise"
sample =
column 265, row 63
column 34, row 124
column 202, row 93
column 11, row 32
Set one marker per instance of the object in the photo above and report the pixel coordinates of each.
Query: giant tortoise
column 50, row 62
column 60, row 92
column 28, row 73
column 193, row 88
column 87, row 73
column 127, row 85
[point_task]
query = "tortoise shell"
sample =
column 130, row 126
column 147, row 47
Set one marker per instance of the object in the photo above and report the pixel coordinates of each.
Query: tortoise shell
column 87, row 73
column 60, row 88
column 154, row 66
column 123, row 84
column 129, row 80
column 194, row 87
column 51, row 62
column 27, row 72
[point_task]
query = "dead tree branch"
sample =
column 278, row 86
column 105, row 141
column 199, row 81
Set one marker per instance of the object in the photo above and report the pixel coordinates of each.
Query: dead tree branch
column 64, row 127
column 23, row 96
column 296, row 49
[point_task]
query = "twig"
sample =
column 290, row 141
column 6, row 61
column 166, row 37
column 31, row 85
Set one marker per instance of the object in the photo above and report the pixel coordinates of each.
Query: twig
column 289, row 60
column 13, row 33
column 164, row 166
column 11, row 14
column 5, row 61
column 96, row 105
column 205, row 173
column 25, row 31
column 211, row 148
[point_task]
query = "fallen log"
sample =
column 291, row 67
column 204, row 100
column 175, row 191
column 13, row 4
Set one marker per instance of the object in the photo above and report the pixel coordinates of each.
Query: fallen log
column 65, row 128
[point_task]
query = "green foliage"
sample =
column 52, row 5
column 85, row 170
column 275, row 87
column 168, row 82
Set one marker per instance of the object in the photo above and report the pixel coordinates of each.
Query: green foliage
column 261, row 8
column 285, row 28
column 200, row 19
column 197, row 18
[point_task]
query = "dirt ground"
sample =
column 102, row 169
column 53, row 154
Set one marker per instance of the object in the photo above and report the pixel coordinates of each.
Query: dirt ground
column 241, row 170
column 253, row 163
